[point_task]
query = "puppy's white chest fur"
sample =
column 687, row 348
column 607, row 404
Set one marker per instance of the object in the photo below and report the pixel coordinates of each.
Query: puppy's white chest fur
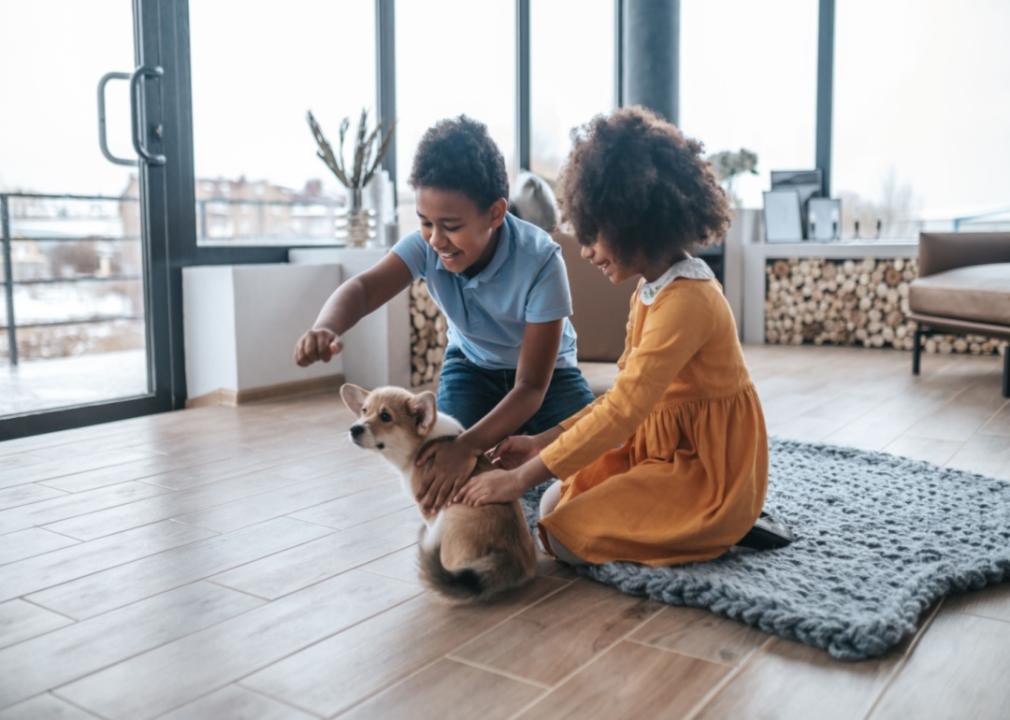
column 445, row 425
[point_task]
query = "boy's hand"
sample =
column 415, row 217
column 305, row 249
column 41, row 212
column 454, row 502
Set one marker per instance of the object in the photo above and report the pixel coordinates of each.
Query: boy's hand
column 493, row 486
column 317, row 344
column 447, row 467
column 515, row 450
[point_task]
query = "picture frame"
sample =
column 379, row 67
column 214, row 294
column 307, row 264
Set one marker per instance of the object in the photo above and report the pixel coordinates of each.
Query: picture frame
column 824, row 219
column 781, row 215
column 808, row 183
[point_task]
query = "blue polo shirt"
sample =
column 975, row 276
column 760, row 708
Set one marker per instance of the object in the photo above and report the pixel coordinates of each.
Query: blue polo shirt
column 525, row 282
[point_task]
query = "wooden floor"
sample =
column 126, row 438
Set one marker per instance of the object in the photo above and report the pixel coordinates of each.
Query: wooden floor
column 250, row 563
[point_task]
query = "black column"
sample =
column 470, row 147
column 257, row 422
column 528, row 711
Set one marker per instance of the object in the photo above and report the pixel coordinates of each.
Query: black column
column 651, row 46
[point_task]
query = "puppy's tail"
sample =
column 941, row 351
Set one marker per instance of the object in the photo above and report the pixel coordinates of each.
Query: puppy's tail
column 487, row 576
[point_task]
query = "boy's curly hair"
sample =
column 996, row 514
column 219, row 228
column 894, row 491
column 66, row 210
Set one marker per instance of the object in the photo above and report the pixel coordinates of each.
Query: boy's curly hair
column 636, row 180
column 459, row 154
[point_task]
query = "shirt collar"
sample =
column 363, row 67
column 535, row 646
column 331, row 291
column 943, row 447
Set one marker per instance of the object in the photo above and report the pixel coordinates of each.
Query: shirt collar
column 691, row 267
column 501, row 254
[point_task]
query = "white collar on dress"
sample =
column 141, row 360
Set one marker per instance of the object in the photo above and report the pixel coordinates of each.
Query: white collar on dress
column 691, row 267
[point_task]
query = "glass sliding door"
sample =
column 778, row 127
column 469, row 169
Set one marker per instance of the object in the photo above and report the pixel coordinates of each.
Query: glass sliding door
column 78, row 151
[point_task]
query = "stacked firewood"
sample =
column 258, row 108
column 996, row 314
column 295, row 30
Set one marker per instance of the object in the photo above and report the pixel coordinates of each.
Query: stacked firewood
column 850, row 302
column 427, row 335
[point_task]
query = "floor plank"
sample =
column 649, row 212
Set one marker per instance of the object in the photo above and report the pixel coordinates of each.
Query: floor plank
column 18, row 495
column 58, row 467
column 233, row 702
column 556, row 637
column 134, row 470
column 700, row 634
column 993, row 602
column 349, row 629
column 186, row 669
column 632, row 681
column 28, row 543
column 930, row 450
column 74, row 651
column 448, row 689
column 401, row 565
column 290, row 570
column 118, row 586
column 269, row 505
column 932, row 685
column 349, row 667
column 45, row 707
column 999, row 423
column 351, row 510
column 20, row 620
column 168, row 504
column 959, row 418
column 67, row 506
column 985, row 454
column 788, row 680
column 77, row 561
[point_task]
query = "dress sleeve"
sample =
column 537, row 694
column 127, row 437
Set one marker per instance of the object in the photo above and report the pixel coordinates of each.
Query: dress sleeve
column 678, row 324
column 570, row 421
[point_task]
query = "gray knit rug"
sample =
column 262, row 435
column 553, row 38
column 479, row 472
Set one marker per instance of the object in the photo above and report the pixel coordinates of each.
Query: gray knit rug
column 878, row 539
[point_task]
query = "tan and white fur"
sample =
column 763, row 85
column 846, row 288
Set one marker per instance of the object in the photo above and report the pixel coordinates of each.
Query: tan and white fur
column 466, row 553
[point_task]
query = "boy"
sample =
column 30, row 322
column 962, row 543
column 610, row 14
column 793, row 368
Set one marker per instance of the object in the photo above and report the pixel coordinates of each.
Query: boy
column 510, row 364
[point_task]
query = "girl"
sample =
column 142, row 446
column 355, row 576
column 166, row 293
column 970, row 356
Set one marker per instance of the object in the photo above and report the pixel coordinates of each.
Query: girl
column 671, row 465
column 501, row 283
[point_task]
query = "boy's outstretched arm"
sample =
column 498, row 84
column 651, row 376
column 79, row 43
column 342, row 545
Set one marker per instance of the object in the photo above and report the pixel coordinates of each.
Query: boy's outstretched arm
column 455, row 461
column 350, row 302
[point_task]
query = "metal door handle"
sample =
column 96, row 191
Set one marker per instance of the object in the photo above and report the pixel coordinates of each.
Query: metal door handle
column 136, row 79
column 136, row 98
column 102, row 140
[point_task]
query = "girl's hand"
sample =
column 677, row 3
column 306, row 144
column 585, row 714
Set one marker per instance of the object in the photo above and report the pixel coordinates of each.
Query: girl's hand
column 515, row 450
column 493, row 486
column 450, row 466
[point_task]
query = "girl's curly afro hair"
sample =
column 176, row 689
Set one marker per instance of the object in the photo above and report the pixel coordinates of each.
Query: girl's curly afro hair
column 459, row 154
column 636, row 180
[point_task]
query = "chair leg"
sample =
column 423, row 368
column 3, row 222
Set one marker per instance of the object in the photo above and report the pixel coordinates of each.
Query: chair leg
column 917, row 350
column 1006, row 370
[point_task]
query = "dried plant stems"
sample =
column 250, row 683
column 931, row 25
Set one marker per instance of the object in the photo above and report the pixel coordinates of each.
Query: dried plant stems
column 366, row 159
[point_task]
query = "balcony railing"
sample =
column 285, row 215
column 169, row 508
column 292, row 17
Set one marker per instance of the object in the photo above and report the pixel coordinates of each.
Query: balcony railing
column 220, row 221
column 8, row 237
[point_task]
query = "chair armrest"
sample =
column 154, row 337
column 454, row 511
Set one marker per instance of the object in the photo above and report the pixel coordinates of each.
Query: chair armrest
column 939, row 252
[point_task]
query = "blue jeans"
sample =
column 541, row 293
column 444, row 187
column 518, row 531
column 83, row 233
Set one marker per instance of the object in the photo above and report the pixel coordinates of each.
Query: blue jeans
column 468, row 392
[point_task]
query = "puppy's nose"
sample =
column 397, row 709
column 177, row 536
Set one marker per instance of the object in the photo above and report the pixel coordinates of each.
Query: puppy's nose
column 356, row 430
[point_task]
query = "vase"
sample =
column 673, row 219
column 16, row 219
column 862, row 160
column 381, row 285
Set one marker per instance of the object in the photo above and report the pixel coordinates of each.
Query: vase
column 356, row 227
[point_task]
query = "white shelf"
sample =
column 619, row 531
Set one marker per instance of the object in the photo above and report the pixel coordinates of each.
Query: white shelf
column 756, row 256
column 377, row 349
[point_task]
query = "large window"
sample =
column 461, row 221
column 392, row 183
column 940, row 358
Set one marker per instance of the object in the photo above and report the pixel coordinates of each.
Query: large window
column 73, row 319
column 257, row 68
column 748, row 79
column 571, row 75
column 921, row 127
column 452, row 57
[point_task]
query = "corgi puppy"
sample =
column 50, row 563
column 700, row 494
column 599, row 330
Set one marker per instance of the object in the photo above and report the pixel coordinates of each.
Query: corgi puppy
column 466, row 553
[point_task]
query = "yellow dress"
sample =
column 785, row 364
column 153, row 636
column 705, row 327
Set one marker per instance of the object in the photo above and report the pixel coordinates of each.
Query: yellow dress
column 671, row 465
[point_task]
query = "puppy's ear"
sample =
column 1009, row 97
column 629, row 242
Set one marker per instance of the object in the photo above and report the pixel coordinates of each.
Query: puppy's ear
column 353, row 397
column 422, row 408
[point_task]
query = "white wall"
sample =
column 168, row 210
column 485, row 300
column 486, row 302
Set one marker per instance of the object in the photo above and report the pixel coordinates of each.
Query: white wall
column 242, row 322
column 208, row 312
column 377, row 349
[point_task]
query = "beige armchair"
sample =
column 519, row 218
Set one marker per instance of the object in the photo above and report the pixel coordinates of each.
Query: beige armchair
column 963, row 287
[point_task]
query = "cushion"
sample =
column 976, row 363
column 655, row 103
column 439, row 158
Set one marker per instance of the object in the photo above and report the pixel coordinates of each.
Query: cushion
column 599, row 375
column 600, row 308
column 977, row 292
